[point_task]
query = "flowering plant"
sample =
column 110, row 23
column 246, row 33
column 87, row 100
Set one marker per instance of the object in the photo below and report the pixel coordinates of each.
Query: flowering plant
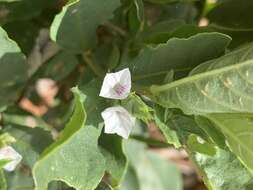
column 82, row 82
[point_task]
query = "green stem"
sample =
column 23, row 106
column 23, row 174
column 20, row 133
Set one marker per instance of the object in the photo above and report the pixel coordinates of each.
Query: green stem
column 93, row 66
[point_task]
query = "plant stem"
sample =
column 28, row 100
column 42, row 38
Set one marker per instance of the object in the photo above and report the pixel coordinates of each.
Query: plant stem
column 117, row 29
column 93, row 66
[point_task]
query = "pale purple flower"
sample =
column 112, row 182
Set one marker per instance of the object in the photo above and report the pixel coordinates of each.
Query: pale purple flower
column 116, row 85
column 118, row 120
column 8, row 153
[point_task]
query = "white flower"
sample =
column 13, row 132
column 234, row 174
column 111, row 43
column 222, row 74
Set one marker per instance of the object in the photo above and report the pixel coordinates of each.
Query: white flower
column 8, row 153
column 118, row 120
column 116, row 85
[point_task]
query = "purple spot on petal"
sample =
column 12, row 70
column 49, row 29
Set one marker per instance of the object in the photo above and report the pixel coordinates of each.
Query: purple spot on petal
column 119, row 89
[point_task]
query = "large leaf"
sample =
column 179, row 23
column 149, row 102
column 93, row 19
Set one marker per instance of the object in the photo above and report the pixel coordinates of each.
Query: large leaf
column 238, row 131
column 81, row 19
column 13, row 70
column 180, row 55
column 222, row 85
column 232, row 15
column 75, row 158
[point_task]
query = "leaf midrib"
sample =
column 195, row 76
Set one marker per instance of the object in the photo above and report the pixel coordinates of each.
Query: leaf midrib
column 156, row 89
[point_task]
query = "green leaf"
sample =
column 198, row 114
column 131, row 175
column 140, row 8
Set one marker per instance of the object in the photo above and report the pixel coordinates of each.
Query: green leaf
column 27, row 37
column 103, row 186
column 136, row 16
column 232, row 15
column 152, row 172
column 130, row 180
column 138, row 108
column 161, row 32
column 94, row 104
column 13, row 70
column 188, row 30
column 197, row 144
column 30, row 142
column 238, row 131
column 169, row 1
column 9, row 0
column 19, row 180
column 161, row 122
column 223, row 171
column 213, row 133
column 180, row 55
column 23, row 9
column 110, row 145
column 92, row 157
column 221, row 85
column 81, row 19
column 6, row 139
column 115, row 160
column 3, row 162
column 60, row 66
column 59, row 185
column 75, row 157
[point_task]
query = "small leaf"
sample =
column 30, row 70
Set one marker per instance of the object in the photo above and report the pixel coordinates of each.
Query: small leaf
column 214, row 134
column 138, row 108
column 199, row 145
column 170, row 134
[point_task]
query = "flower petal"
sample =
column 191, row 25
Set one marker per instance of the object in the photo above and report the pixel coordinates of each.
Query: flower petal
column 118, row 120
column 116, row 85
column 8, row 153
